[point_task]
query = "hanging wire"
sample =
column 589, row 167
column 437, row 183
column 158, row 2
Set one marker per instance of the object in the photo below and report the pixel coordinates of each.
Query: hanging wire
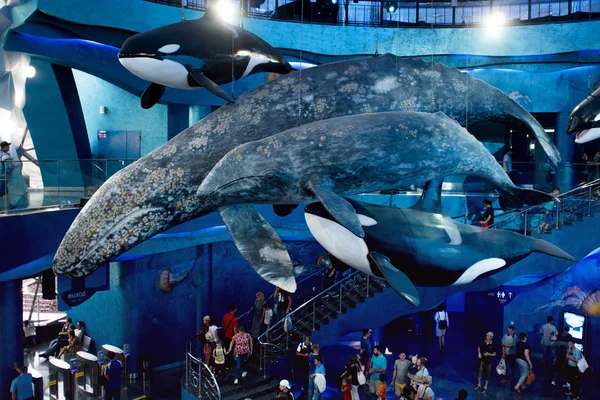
column 397, row 57
column 182, row 11
column 432, row 106
column 299, row 121
column 589, row 47
column 469, row 29
column 232, row 65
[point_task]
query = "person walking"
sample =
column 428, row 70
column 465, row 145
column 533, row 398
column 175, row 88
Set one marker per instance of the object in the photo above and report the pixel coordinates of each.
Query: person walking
column 6, row 166
column 378, row 367
column 112, row 374
column 21, row 388
column 284, row 303
column 486, row 353
column 523, row 361
column 241, row 344
column 303, row 362
column 319, row 379
column 400, row 376
column 366, row 349
column 562, row 346
column 509, row 351
column 441, row 325
column 258, row 315
column 573, row 357
column 549, row 335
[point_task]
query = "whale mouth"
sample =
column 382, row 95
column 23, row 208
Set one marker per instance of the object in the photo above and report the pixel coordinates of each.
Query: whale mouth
column 587, row 135
column 141, row 55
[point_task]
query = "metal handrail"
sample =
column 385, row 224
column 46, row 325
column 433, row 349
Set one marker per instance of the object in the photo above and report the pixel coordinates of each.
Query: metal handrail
column 203, row 380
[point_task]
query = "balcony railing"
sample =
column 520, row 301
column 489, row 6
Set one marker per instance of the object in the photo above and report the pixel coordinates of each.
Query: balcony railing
column 409, row 14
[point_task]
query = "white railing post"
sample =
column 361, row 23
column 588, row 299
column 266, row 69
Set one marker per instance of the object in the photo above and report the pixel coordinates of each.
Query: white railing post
column 589, row 214
column 525, row 225
column 314, row 304
column 368, row 281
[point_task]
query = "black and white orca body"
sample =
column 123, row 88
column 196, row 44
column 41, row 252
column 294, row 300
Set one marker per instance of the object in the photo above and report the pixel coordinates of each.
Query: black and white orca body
column 197, row 54
column 584, row 120
column 420, row 246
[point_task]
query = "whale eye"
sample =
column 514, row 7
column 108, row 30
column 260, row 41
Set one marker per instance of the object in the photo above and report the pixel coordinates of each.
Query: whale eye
column 270, row 175
column 169, row 48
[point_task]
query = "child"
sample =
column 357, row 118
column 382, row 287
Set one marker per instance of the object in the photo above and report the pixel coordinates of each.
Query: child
column 346, row 388
column 382, row 390
column 219, row 356
column 266, row 318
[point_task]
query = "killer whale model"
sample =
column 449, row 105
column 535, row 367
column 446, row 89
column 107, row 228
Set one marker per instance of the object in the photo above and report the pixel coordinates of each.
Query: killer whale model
column 341, row 156
column 158, row 191
column 584, row 120
column 420, row 246
column 197, row 54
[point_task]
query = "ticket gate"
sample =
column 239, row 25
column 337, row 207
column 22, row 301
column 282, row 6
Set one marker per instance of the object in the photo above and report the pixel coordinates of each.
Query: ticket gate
column 38, row 384
column 60, row 380
column 87, row 377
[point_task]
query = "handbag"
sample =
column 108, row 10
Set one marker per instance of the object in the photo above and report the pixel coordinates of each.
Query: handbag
column 501, row 368
column 443, row 323
column 362, row 379
column 530, row 378
column 582, row 364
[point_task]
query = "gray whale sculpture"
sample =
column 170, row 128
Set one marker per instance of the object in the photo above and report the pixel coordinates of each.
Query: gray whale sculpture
column 197, row 54
column 420, row 246
column 158, row 191
column 336, row 157
column 584, row 120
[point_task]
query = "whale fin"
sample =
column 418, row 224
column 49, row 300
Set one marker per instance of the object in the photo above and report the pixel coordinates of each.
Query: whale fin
column 260, row 245
column 338, row 207
column 152, row 95
column 516, row 197
column 396, row 278
column 209, row 85
column 541, row 246
column 431, row 198
column 283, row 210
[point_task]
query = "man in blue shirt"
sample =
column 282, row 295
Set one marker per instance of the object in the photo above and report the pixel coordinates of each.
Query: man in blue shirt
column 113, row 377
column 21, row 387
column 573, row 357
column 378, row 366
column 319, row 370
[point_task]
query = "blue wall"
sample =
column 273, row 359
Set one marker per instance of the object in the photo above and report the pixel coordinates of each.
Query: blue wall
column 123, row 112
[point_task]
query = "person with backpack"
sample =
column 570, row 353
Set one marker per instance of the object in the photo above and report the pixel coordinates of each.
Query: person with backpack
column 441, row 325
column 241, row 344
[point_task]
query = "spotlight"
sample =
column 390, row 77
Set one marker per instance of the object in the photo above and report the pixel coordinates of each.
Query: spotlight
column 390, row 7
column 495, row 22
column 226, row 11
column 334, row 2
column 30, row 71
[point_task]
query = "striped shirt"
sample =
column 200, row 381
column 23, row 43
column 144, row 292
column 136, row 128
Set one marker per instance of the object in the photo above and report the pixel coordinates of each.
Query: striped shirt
column 547, row 330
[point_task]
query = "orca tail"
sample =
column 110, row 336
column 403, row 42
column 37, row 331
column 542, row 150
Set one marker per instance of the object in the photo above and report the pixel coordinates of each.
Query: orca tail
column 541, row 246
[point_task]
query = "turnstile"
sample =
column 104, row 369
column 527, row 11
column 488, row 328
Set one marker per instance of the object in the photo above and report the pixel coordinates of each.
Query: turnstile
column 87, row 377
column 60, row 380
column 38, row 384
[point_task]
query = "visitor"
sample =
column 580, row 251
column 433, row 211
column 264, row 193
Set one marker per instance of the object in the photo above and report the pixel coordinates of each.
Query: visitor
column 329, row 276
column 509, row 350
column 73, row 347
column 257, row 319
column 112, row 374
column 267, row 317
column 219, row 357
column 523, row 361
column 346, row 388
column 382, row 388
column 488, row 214
column 352, row 371
column 285, row 390
column 486, row 352
column 241, row 344
column 6, row 166
column 302, row 361
column 378, row 366
column 573, row 356
column 80, row 330
column 208, row 338
column 21, row 388
column 419, row 377
column 230, row 322
column 562, row 346
column 549, row 335
column 311, row 370
column 318, row 379
column 507, row 161
column 550, row 213
column 61, row 340
column 400, row 376
column 462, row 395
column 441, row 325
column 29, row 334
column 365, row 349
column 425, row 391
column 284, row 303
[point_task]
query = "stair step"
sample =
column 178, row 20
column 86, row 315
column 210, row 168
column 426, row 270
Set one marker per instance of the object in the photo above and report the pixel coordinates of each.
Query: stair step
column 248, row 387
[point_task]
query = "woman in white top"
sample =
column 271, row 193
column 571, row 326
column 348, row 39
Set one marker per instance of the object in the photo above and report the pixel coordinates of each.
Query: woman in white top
column 422, row 372
column 441, row 325
column 425, row 391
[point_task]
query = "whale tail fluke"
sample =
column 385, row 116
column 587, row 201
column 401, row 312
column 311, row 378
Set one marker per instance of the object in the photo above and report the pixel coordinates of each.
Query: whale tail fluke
column 516, row 197
column 541, row 246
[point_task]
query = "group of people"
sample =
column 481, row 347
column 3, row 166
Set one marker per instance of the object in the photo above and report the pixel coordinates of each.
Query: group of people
column 560, row 359
column 68, row 341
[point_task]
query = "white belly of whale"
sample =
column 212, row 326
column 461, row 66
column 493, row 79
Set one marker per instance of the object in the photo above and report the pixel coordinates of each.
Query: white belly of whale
column 478, row 269
column 165, row 72
column 340, row 242
column 591, row 134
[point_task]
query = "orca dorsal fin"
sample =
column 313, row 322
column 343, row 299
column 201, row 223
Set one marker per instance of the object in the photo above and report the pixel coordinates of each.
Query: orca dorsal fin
column 431, row 198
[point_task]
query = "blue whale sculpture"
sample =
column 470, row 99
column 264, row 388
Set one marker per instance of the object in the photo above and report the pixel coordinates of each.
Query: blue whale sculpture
column 158, row 191
column 420, row 245
column 341, row 156
column 195, row 54
column 584, row 120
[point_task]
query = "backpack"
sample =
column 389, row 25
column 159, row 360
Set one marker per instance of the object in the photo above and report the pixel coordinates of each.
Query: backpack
column 443, row 323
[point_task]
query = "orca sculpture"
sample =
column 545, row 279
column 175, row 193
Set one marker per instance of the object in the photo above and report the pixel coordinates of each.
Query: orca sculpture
column 420, row 246
column 584, row 120
column 197, row 54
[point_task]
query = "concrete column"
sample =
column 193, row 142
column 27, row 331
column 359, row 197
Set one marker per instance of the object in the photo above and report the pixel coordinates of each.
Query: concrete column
column 198, row 112
column 178, row 119
column 566, row 174
column 11, row 332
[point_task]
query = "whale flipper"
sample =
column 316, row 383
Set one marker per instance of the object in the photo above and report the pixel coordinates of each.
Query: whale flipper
column 396, row 278
column 260, row 245
column 209, row 85
column 338, row 207
column 283, row 210
column 152, row 95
